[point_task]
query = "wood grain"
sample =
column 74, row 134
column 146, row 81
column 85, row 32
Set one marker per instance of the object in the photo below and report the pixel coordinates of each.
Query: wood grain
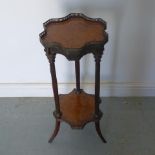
column 74, row 33
column 77, row 108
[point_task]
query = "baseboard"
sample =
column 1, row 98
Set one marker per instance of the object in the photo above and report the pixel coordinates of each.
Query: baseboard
column 107, row 89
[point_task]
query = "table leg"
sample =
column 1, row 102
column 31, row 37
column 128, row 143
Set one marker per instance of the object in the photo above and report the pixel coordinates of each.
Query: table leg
column 56, row 130
column 77, row 73
column 97, row 125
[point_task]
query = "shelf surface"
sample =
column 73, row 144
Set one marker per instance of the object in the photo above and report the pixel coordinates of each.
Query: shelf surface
column 77, row 108
column 78, row 28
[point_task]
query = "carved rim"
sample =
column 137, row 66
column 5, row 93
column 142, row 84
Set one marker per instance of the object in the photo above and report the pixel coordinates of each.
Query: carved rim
column 69, row 16
column 94, row 119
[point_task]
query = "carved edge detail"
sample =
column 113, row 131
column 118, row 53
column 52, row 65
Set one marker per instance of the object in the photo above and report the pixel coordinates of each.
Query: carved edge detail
column 98, row 56
column 76, row 54
column 90, row 47
column 95, row 117
column 72, row 15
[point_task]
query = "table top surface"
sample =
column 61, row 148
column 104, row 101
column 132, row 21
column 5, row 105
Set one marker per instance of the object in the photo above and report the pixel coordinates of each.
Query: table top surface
column 73, row 31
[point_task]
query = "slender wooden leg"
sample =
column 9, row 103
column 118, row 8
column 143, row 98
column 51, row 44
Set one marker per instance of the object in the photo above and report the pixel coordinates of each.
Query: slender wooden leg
column 55, row 85
column 97, row 85
column 77, row 72
column 97, row 94
column 56, row 130
column 97, row 125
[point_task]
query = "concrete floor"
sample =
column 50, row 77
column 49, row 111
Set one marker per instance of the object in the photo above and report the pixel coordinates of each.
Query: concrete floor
column 128, row 124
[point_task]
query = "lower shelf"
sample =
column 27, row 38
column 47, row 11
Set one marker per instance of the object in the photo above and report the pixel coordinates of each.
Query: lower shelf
column 77, row 108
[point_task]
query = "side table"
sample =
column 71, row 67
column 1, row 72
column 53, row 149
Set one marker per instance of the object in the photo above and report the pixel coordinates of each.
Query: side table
column 74, row 36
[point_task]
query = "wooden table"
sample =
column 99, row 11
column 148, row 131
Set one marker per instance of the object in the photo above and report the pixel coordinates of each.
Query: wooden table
column 75, row 36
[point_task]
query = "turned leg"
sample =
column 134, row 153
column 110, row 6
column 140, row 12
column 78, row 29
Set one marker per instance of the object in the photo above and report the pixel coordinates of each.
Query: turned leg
column 56, row 130
column 55, row 85
column 77, row 73
column 97, row 83
column 97, row 94
column 97, row 125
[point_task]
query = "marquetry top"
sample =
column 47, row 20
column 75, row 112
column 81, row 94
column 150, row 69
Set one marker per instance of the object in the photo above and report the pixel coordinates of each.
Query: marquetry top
column 73, row 31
